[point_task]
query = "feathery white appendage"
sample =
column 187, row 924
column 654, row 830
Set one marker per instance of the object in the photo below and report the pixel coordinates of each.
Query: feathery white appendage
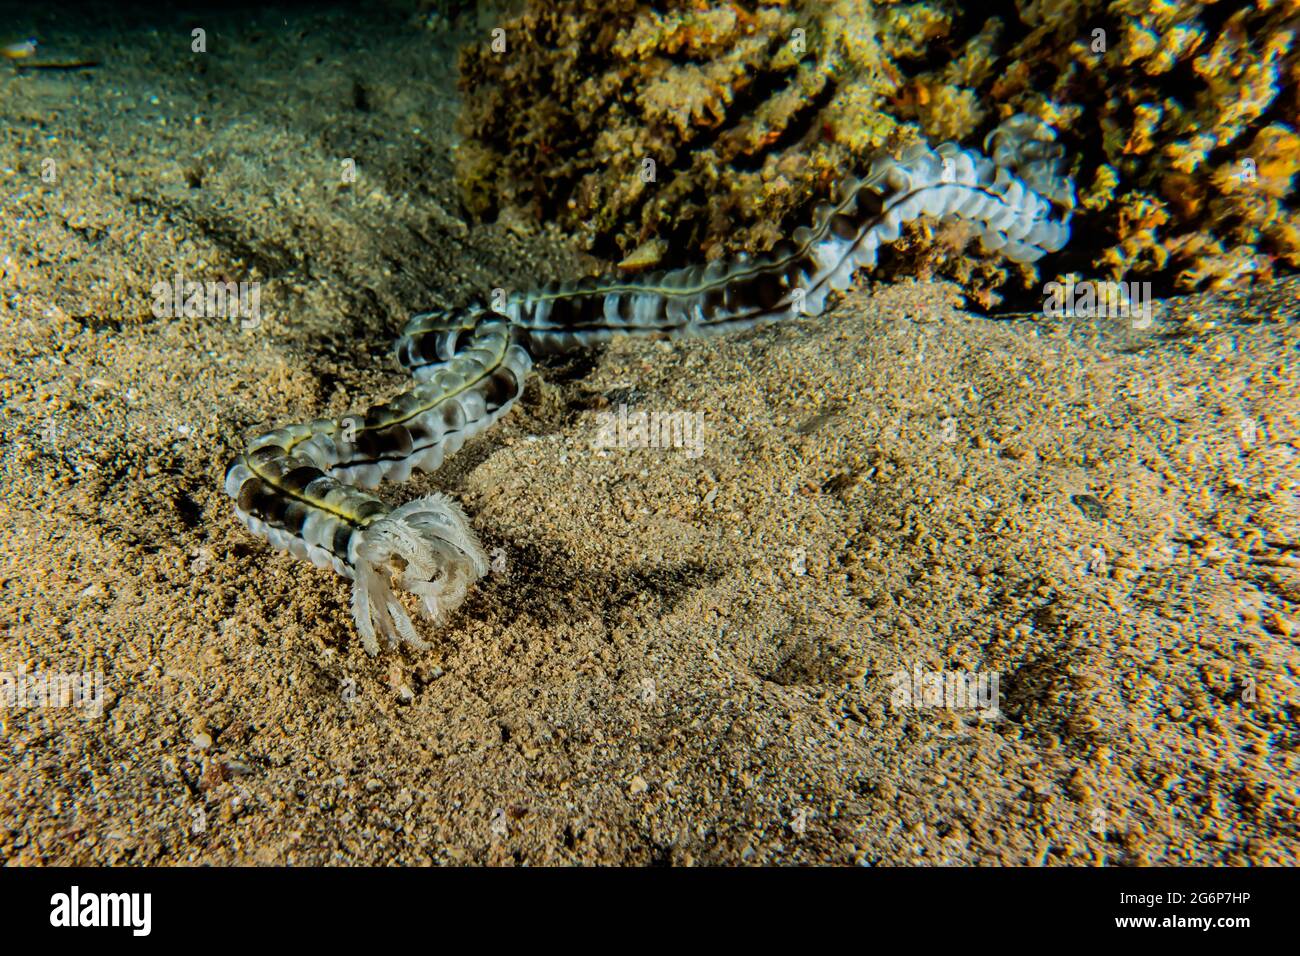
column 299, row 485
column 426, row 547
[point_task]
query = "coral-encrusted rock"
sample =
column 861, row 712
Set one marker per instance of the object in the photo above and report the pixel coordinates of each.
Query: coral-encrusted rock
column 1182, row 118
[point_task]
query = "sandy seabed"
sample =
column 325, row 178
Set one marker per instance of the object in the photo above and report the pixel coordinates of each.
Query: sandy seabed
column 677, row 658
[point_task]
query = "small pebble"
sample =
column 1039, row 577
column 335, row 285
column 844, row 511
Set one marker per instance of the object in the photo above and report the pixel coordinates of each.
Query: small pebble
column 1090, row 506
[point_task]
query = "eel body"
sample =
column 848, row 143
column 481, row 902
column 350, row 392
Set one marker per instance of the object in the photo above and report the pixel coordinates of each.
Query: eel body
column 306, row 488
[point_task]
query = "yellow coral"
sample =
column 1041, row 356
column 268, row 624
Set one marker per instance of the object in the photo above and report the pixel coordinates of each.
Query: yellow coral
column 951, row 113
column 1102, row 192
column 753, row 109
column 1146, row 117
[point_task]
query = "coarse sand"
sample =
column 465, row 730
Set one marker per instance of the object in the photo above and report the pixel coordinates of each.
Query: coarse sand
column 676, row 658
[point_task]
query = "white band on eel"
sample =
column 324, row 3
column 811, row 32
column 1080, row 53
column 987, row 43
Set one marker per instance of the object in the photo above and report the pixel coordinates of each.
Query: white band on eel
column 300, row 486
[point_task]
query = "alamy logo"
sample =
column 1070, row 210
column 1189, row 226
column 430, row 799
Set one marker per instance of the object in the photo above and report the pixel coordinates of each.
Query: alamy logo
column 951, row 690
column 211, row 300
column 1106, row 300
column 624, row 429
column 103, row 909
column 42, row 689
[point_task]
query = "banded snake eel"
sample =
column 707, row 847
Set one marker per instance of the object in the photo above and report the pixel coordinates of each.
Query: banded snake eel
column 303, row 487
